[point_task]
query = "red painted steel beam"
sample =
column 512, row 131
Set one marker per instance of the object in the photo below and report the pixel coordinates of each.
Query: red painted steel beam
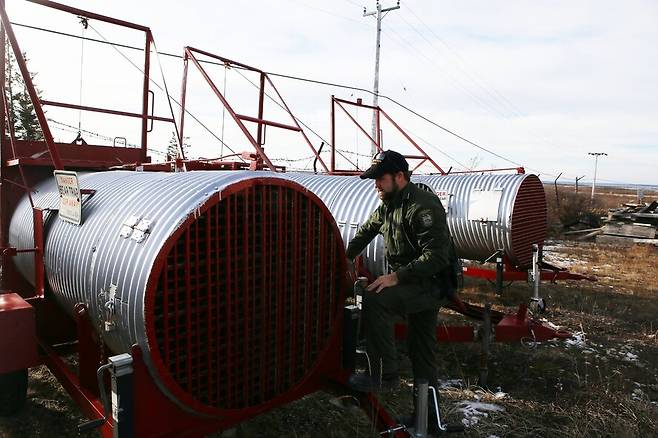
column 419, row 164
column 183, row 95
column 12, row 134
column 333, row 134
column 223, row 59
column 39, row 268
column 105, row 111
column 29, row 85
column 513, row 275
column 424, row 157
column 145, row 91
column 490, row 274
column 502, row 169
column 363, row 105
column 256, row 142
column 90, row 15
column 401, row 131
column 358, row 125
column 308, row 142
column 89, row 404
column 232, row 113
column 261, row 106
column 268, row 122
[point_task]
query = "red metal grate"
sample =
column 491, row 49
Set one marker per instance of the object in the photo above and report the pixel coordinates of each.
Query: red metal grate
column 529, row 220
column 247, row 298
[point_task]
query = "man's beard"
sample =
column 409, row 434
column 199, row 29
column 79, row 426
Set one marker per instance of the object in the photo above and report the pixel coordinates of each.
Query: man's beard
column 389, row 196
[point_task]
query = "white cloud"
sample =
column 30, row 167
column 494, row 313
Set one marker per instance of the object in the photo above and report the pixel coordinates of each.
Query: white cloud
column 541, row 82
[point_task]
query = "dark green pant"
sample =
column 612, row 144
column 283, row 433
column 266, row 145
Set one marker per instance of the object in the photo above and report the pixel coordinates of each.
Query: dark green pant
column 420, row 307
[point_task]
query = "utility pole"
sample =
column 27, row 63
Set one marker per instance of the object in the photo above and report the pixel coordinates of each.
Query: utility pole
column 596, row 156
column 380, row 13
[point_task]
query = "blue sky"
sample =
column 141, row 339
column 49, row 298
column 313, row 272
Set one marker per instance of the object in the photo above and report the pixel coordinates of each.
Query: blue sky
column 540, row 82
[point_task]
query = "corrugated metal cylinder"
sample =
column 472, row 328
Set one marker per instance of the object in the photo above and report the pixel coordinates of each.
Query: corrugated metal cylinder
column 517, row 213
column 515, row 204
column 229, row 282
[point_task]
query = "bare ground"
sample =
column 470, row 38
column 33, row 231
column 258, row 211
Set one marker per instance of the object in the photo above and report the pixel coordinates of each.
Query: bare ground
column 602, row 383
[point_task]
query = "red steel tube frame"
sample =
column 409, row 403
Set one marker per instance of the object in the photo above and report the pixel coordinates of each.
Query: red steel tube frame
column 105, row 111
column 29, row 85
column 551, row 275
column 519, row 170
column 377, row 142
column 238, row 118
column 32, row 91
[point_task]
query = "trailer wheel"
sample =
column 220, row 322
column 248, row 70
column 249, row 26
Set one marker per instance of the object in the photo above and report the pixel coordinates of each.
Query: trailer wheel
column 13, row 392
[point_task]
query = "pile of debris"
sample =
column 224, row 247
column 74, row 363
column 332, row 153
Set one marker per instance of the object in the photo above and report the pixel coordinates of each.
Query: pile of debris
column 627, row 225
column 632, row 223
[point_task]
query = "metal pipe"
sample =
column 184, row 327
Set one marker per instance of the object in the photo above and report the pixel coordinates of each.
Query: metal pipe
column 232, row 113
column 535, row 271
column 106, row 111
column 29, row 85
column 145, row 93
column 90, row 15
column 420, row 423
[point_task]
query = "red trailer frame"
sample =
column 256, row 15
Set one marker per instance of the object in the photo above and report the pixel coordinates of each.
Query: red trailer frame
column 261, row 123
column 378, row 141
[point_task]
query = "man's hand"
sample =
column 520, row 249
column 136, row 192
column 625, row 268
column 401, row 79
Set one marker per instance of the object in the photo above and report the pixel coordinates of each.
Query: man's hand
column 382, row 282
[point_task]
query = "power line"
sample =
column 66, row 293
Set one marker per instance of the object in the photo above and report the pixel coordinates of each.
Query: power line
column 472, row 74
column 294, row 117
column 494, row 93
column 125, row 46
column 411, row 47
column 286, row 76
column 322, row 10
column 73, row 129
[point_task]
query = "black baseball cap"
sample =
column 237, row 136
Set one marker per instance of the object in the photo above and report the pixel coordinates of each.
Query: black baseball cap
column 385, row 162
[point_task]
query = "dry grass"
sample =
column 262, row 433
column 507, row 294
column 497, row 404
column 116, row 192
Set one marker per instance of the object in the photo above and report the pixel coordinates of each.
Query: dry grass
column 607, row 386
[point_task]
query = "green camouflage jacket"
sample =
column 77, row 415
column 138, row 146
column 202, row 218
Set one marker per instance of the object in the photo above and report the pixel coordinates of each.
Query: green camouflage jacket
column 415, row 232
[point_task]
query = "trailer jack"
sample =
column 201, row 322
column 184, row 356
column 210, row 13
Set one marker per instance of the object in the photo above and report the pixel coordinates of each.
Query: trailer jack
column 120, row 407
column 420, row 428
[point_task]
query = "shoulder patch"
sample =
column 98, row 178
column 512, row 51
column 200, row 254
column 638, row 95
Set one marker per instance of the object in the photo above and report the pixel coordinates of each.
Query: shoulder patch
column 426, row 218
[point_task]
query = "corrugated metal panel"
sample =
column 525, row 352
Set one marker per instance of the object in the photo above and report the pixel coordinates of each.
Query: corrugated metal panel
column 171, row 287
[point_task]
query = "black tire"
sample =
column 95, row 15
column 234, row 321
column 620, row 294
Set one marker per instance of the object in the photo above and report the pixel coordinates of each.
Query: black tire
column 13, row 392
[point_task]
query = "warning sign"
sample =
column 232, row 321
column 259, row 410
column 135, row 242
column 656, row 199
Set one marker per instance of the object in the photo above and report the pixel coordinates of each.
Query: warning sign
column 70, row 202
column 444, row 196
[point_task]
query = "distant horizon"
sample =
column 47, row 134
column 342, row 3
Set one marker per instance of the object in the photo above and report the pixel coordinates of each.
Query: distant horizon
column 604, row 184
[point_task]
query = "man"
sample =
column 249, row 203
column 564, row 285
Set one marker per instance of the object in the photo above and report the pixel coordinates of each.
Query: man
column 417, row 246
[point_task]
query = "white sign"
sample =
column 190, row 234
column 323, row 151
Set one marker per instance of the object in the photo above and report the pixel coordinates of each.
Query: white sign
column 444, row 197
column 70, row 200
column 483, row 205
